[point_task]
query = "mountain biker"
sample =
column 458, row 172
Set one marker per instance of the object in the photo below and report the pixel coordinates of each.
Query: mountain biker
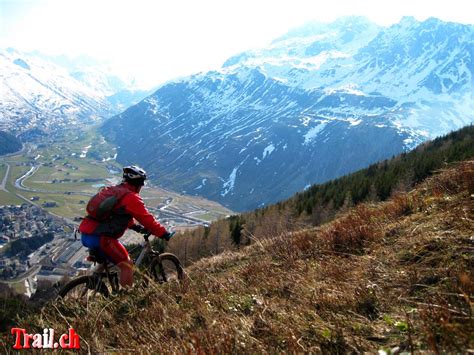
column 102, row 236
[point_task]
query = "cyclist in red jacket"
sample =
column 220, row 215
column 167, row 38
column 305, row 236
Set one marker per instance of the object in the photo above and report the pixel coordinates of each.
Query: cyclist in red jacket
column 103, row 235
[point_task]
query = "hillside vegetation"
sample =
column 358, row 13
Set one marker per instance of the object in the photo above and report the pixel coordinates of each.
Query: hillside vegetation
column 321, row 203
column 8, row 143
column 394, row 275
column 380, row 180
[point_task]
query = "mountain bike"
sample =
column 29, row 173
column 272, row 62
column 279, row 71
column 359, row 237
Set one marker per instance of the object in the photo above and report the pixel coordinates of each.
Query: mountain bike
column 104, row 278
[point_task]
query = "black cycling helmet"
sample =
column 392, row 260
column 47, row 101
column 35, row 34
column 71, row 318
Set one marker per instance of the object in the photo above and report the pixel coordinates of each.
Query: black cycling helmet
column 134, row 175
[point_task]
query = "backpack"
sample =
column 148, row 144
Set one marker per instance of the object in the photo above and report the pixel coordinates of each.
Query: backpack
column 101, row 206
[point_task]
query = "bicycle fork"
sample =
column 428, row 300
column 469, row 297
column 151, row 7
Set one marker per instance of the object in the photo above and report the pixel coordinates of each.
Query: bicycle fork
column 100, row 273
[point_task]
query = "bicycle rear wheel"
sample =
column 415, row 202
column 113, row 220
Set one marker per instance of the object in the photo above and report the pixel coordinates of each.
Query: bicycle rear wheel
column 166, row 268
column 84, row 288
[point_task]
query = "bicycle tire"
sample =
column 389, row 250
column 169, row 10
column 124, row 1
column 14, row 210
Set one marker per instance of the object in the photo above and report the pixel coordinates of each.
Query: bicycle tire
column 88, row 283
column 166, row 267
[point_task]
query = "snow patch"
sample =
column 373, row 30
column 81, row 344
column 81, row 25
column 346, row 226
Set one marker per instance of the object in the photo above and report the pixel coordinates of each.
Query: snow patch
column 268, row 150
column 354, row 122
column 347, row 89
column 84, row 152
column 305, row 121
column 228, row 186
column 110, row 158
column 203, row 183
column 313, row 132
column 153, row 106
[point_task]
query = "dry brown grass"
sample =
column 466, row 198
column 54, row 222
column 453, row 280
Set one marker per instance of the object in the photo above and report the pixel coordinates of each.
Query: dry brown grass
column 395, row 275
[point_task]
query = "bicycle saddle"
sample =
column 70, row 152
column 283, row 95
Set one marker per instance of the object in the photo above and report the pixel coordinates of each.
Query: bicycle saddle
column 95, row 257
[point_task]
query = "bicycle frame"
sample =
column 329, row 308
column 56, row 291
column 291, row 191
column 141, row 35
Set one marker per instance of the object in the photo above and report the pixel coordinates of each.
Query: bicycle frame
column 162, row 267
column 146, row 249
column 109, row 270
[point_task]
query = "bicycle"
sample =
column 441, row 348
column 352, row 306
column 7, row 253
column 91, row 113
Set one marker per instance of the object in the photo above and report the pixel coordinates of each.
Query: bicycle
column 163, row 267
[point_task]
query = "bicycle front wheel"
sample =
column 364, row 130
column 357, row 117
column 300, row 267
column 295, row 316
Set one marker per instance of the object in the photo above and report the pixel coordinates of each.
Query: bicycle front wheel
column 166, row 267
column 84, row 288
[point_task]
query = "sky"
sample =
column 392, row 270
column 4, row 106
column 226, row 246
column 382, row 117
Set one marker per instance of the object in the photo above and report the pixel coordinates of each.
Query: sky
column 158, row 40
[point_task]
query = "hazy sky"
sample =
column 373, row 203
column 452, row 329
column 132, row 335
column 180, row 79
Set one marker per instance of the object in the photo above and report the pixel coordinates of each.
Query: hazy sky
column 157, row 40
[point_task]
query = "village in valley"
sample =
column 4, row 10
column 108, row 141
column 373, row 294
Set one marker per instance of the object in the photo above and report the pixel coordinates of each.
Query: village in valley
column 38, row 247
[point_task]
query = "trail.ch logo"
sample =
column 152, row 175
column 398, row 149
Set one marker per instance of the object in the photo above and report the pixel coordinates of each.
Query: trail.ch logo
column 23, row 340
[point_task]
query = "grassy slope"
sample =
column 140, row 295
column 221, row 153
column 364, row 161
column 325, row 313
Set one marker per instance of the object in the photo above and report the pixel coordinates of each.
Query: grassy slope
column 396, row 274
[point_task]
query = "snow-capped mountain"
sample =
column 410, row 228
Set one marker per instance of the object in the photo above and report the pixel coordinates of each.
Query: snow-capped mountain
column 93, row 73
column 320, row 102
column 38, row 94
column 121, row 92
column 43, row 92
column 426, row 64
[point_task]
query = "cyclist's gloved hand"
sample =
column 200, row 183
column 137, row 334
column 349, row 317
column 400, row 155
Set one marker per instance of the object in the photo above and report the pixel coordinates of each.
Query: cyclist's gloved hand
column 138, row 228
column 167, row 236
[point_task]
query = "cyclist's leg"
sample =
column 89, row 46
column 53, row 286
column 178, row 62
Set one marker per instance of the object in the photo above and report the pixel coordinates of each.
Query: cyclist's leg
column 117, row 253
column 92, row 242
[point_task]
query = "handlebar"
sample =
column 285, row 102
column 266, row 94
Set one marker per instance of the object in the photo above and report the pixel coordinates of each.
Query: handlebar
column 147, row 234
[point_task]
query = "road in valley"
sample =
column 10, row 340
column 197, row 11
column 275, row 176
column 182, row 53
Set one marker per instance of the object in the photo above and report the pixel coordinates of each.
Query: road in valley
column 5, row 178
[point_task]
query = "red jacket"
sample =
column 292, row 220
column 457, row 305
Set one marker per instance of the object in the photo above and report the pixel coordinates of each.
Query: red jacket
column 129, row 209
